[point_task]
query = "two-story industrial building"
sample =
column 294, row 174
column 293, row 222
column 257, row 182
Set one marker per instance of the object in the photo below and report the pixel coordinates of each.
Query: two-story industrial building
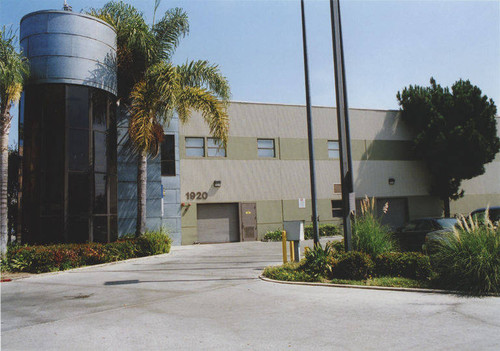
column 79, row 174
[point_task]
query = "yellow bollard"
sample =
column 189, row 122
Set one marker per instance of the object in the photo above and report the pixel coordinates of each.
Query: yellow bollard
column 292, row 251
column 283, row 241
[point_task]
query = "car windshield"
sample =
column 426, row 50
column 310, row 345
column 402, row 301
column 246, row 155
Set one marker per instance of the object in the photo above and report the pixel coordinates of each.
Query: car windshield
column 493, row 213
column 447, row 223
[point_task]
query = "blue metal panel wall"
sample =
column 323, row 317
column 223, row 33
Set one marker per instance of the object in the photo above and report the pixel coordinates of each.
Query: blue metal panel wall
column 127, row 184
column 69, row 48
column 172, row 191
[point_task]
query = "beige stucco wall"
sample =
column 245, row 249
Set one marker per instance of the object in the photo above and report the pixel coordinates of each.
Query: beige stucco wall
column 289, row 121
column 381, row 149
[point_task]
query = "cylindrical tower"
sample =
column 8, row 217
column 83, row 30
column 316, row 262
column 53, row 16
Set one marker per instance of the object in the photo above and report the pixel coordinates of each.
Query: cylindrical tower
column 68, row 129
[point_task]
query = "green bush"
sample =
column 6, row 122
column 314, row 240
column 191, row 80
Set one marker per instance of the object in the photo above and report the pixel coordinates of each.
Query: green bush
column 412, row 265
column 353, row 265
column 318, row 262
column 368, row 233
column 274, row 235
column 122, row 249
column 338, row 247
column 469, row 260
column 47, row 258
column 289, row 272
column 371, row 237
column 154, row 242
column 324, row 230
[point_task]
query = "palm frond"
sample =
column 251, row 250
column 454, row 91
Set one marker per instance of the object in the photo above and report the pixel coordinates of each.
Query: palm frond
column 206, row 75
column 173, row 26
column 14, row 69
column 137, row 47
column 213, row 110
column 151, row 107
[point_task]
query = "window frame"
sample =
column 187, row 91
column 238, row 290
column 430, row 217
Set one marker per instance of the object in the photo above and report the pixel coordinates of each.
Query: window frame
column 217, row 148
column 266, row 148
column 333, row 149
column 163, row 158
column 186, row 147
column 337, row 212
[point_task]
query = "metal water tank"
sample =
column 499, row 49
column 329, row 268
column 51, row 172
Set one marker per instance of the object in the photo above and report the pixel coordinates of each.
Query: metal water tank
column 69, row 48
column 67, row 129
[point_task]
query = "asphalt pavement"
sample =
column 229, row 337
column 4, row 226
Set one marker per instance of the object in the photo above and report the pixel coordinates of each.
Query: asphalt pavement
column 209, row 297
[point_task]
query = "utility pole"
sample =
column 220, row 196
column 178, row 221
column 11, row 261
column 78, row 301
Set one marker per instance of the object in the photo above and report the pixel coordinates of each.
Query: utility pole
column 348, row 196
column 310, row 138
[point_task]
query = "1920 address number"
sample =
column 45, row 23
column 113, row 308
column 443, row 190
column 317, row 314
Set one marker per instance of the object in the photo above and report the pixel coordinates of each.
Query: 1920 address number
column 197, row 196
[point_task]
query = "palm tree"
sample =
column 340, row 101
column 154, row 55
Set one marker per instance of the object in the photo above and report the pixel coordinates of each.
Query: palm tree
column 14, row 69
column 155, row 89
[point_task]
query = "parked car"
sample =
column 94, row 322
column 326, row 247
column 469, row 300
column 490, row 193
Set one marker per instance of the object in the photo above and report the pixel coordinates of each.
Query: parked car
column 412, row 236
column 478, row 215
column 493, row 212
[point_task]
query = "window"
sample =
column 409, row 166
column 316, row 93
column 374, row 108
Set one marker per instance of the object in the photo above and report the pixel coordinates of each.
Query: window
column 214, row 148
column 337, row 208
column 265, row 147
column 168, row 155
column 195, row 147
column 333, row 149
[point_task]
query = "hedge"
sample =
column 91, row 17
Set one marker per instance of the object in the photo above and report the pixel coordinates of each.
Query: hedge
column 324, row 230
column 414, row 265
column 47, row 258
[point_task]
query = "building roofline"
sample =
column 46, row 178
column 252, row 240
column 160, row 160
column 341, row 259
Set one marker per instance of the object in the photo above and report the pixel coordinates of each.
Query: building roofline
column 315, row 106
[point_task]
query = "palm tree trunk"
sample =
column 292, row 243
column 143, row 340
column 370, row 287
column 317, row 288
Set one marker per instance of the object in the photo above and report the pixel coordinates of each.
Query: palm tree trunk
column 446, row 206
column 142, row 177
column 4, row 166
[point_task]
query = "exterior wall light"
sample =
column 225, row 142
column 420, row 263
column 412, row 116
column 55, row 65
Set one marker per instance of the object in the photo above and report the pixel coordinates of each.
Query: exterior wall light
column 217, row 183
column 392, row 181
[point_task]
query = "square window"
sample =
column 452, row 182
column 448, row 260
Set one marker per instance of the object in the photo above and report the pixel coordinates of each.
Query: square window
column 195, row 147
column 333, row 149
column 337, row 211
column 265, row 147
column 214, row 148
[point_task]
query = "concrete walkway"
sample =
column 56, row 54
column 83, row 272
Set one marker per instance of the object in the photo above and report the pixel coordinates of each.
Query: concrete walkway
column 209, row 297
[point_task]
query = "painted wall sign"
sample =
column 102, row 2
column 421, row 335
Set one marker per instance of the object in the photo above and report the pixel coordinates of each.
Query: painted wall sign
column 302, row 202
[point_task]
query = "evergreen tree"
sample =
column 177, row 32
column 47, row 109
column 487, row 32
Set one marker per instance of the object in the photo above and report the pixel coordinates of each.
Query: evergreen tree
column 455, row 133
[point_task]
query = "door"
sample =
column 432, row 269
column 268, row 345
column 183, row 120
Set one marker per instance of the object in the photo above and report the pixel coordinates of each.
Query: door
column 248, row 215
column 218, row 223
column 396, row 214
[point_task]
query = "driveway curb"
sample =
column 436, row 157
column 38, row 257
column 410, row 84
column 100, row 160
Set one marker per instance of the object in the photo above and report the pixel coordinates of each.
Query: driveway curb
column 386, row 288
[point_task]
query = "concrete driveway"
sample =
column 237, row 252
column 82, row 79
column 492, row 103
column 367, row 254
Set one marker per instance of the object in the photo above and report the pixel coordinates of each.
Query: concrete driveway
column 209, row 297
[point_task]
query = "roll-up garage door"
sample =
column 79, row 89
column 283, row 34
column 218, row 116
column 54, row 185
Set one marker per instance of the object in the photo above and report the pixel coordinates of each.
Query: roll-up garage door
column 218, row 223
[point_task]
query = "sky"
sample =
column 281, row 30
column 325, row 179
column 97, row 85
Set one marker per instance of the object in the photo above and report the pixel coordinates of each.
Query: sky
column 388, row 45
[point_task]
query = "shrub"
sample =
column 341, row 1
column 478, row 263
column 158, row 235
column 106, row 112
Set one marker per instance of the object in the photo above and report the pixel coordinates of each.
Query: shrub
column 353, row 265
column 469, row 259
column 154, row 242
column 324, row 230
column 121, row 249
column 412, row 265
column 338, row 247
column 46, row 258
column 318, row 262
column 368, row 234
column 289, row 272
column 275, row 235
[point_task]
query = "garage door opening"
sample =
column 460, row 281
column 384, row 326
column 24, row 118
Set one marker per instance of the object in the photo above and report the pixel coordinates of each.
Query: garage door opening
column 218, row 223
